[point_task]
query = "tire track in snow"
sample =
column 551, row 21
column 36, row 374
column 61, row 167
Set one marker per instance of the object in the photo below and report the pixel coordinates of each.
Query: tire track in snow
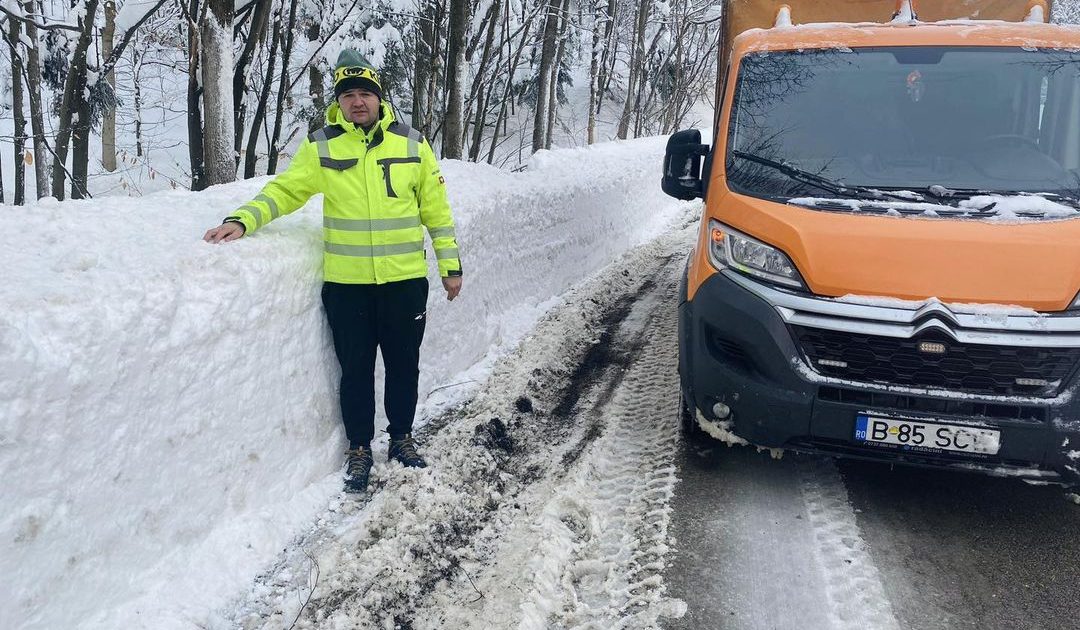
column 603, row 536
column 429, row 549
column 763, row 544
column 852, row 583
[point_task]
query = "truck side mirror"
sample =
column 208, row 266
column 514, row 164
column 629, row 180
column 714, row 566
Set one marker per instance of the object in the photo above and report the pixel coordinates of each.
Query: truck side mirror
column 682, row 165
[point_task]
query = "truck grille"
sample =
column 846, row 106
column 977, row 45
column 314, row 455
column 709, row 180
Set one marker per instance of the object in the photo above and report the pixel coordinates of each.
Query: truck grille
column 970, row 368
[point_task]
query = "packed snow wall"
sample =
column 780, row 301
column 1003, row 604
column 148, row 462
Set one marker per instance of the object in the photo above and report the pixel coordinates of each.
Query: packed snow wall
column 168, row 408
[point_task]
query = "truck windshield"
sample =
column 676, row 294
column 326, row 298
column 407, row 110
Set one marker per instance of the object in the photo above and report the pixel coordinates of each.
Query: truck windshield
column 894, row 119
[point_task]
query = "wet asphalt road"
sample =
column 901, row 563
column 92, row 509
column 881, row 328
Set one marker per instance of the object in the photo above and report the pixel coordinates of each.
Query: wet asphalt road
column 965, row 551
column 951, row 550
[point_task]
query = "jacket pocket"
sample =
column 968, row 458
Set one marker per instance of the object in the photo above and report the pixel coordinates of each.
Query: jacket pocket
column 397, row 182
column 336, row 164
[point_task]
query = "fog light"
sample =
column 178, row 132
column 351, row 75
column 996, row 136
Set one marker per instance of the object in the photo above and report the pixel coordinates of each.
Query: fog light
column 1032, row 382
column 721, row 411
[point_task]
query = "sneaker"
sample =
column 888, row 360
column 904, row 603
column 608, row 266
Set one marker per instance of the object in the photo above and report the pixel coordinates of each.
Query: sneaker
column 403, row 449
column 357, row 469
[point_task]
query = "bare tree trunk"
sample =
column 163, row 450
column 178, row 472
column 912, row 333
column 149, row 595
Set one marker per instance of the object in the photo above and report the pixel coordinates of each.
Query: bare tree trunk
column 74, row 96
column 500, row 121
column 474, row 41
column 194, row 102
column 636, row 61
column 478, row 125
column 259, row 20
column 438, row 69
column 37, row 120
column 264, row 96
column 219, row 156
column 108, row 120
column 608, row 72
column 283, row 88
column 594, row 69
column 316, row 89
column 80, row 138
column 512, row 65
column 80, row 150
column 643, row 106
column 547, row 58
column 608, row 56
column 483, row 96
column 488, row 27
column 679, row 81
column 19, row 134
column 553, row 102
column 136, row 71
column 425, row 48
column 455, row 77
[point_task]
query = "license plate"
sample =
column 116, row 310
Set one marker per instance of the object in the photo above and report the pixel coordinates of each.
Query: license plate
column 907, row 434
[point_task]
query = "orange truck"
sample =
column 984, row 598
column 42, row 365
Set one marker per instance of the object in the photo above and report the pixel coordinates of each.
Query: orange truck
column 888, row 261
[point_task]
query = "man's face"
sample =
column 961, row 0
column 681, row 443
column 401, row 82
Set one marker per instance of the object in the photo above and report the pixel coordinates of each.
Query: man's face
column 360, row 106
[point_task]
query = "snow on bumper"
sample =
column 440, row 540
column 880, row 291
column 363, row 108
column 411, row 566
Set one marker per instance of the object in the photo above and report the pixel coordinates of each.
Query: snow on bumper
column 737, row 350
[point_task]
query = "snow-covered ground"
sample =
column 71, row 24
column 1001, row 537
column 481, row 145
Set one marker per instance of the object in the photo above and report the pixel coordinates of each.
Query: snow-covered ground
column 168, row 413
column 547, row 501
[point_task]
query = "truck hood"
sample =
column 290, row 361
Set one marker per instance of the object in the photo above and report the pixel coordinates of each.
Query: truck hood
column 1034, row 264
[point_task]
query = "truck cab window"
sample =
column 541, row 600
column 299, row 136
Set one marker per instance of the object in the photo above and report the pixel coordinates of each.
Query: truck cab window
column 993, row 119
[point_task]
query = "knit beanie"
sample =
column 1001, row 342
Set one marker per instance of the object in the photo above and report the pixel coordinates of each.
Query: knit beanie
column 353, row 71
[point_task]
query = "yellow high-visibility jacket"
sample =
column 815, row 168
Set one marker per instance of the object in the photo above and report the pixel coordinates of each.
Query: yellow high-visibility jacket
column 380, row 189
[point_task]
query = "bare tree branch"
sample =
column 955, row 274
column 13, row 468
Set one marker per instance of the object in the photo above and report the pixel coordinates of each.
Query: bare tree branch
column 325, row 42
column 45, row 27
column 129, row 34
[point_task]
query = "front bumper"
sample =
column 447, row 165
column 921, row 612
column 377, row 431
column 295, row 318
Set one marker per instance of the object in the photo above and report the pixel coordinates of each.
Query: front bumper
column 737, row 349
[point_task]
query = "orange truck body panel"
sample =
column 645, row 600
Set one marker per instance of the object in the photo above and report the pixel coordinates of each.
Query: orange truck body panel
column 1032, row 264
column 743, row 15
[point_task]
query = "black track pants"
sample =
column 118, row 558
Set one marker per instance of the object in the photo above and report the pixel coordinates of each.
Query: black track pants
column 364, row 317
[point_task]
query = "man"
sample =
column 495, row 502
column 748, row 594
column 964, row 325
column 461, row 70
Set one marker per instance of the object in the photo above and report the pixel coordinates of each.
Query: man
column 381, row 183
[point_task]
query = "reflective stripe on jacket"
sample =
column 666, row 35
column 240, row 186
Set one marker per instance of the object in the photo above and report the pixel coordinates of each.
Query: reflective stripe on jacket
column 380, row 189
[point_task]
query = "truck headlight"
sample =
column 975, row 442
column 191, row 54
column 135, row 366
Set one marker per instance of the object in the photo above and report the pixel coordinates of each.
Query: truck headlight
column 1075, row 306
column 731, row 248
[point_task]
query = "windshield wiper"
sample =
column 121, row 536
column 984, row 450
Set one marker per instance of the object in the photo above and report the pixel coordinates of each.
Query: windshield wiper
column 943, row 193
column 952, row 197
column 817, row 181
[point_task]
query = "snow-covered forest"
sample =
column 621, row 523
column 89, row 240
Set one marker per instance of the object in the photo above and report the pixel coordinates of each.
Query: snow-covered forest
column 106, row 97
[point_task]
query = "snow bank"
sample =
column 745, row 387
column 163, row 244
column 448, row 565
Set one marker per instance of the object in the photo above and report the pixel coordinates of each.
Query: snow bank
column 168, row 413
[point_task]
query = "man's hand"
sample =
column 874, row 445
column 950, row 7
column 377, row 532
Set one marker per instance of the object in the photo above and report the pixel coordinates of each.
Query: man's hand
column 452, row 284
column 226, row 232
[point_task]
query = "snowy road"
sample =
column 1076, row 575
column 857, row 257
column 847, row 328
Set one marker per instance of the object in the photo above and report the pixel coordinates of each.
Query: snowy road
column 547, row 502
column 757, row 547
column 963, row 551
column 564, row 496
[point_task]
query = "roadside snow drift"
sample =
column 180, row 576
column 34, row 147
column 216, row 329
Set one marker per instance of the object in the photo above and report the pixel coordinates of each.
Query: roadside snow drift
column 168, row 408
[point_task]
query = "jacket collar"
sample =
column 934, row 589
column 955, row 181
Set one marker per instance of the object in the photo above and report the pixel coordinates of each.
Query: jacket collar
column 334, row 116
